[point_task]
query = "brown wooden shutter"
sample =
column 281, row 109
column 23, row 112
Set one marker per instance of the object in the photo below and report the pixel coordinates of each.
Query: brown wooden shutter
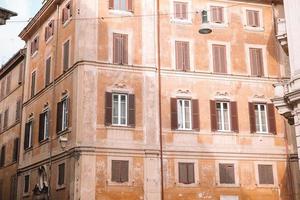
column 8, row 83
column 124, row 169
column 130, row 5
column 46, row 33
column 115, row 170
column 177, row 10
column 183, row 173
column 41, row 126
column 271, row 118
column 191, row 175
column 16, row 150
column 37, row 43
column 61, row 174
column 131, row 110
column 184, row 11
column 249, row 15
column 18, row 110
column 20, row 79
column 116, row 48
column 227, row 175
column 256, row 62
column 1, row 128
column 216, row 60
column 174, row 119
column 234, row 117
column 26, row 139
column 213, row 116
column 252, row 117
column 108, row 108
column 265, row 173
column 111, row 4
column 223, row 59
column 195, row 110
column 2, row 161
column 256, row 19
column 214, row 14
column 260, row 62
column 125, row 49
column 5, row 123
column 59, row 114
column 179, row 57
column 33, row 76
column 66, row 55
column 70, row 8
column 48, row 68
column 186, row 56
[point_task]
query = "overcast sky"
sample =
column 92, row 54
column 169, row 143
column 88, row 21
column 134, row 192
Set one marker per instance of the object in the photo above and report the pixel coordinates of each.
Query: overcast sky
column 10, row 43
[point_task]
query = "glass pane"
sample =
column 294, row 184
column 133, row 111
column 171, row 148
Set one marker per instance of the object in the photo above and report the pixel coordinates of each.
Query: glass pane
column 123, row 5
column 116, row 4
column 180, row 111
column 226, row 117
column 123, row 109
column 219, row 116
column 263, row 120
column 115, row 111
column 187, row 115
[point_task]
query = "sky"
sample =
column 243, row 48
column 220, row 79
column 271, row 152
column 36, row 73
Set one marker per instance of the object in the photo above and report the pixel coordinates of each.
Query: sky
column 10, row 43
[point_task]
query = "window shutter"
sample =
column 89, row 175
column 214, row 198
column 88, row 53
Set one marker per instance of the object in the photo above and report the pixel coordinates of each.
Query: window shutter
column 256, row 19
column 8, row 82
column 111, row 4
column 191, row 175
column 2, row 156
column 124, row 171
column 130, row 5
column 271, row 118
column 61, row 174
column 265, row 173
column 21, row 73
column 18, row 110
column 46, row 33
column 214, row 14
column 183, row 176
column 234, row 117
column 179, row 57
column 59, row 117
column 216, row 60
column 227, row 175
column 16, row 150
column 186, row 56
column 177, row 10
column 223, row 61
column 174, row 120
column 250, row 21
column 116, row 48
column 125, row 49
column 253, row 62
column 115, row 170
column 184, row 13
column 48, row 68
column 41, row 126
column 195, row 110
column 131, row 110
column 33, row 84
column 1, row 128
column 256, row 62
column 5, row 123
column 70, row 13
column 108, row 108
column 213, row 115
column 252, row 117
column 66, row 55
column 220, row 14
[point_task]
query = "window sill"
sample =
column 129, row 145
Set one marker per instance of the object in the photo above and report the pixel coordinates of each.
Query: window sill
column 49, row 39
column 219, row 25
column 254, row 29
column 67, row 22
column 187, row 185
column 116, row 127
column 125, row 184
column 120, row 12
column 266, row 186
column 44, row 141
column 181, row 21
column 34, row 54
column 26, row 195
column 62, row 132
column 61, row 187
column 228, row 185
column 28, row 149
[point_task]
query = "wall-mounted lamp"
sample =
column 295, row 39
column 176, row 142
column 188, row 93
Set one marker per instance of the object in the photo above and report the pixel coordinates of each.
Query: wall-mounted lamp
column 205, row 27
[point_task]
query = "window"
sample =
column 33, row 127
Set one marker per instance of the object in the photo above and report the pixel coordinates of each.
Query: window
column 119, row 171
column 62, row 115
column 28, row 135
column 15, row 150
column 18, row 110
column 256, row 62
column 3, row 89
column 184, row 114
column 20, row 79
column 5, row 122
column 120, row 48
column 33, row 81
column 48, row 72
column 265, row 174
column 182, row 55
column 26, row 184
column 217, row 14
column 186, row 173
column 125, row 5
column 261, row 118
column 253, row 18
column 2, row 159
column 61, row 175
column 219, row 58
column 223, row 116
column 119, row 109
column 13, row 187
column 66, row 13
column 44, row 126
column 66, row 55
column 180, row 10
column 8, row 83
column 34, row 45
column 1, row 128
column 49, row 30
column 226, row 173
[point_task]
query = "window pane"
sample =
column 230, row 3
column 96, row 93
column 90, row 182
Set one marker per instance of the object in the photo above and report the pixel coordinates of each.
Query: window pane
column 123, row 110
column 263, row 119
column 219, row 116
column 187, row 115
column 226, row 116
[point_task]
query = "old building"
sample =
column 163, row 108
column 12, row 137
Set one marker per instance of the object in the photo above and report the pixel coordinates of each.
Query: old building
column 11, row 90
column 108, row 82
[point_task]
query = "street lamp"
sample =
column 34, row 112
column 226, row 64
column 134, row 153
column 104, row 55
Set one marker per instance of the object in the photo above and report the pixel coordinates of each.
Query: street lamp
column 205, row 27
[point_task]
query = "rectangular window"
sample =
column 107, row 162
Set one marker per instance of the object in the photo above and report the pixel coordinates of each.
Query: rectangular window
column 48, row 72
column 18, row 110
column 1, row 128
column 226, row 173
column 125, row 5
column 119, row 171
column 33, row 82
column 8, row 84
column 49, row 30
column 256, row 62
column 15, row 150
column 66, row 55
column 44, row 126
column 219, row 58
column 180, row 10
column 223, row 116
column 182, row 55
column 20, row 78
column 3, row 89
column 119, row 109
column 184, row 114
column 261, row 118
column 265, row 174
column 5, row 122
column 2, row 159
column 62, row 115
column 13, row 187
column 66, row 13
column 252, row 17
column 217, row 14
column 61, row 175
column 34, row 45
column 28, row 135
column 186, row 173
column 120, row 48
column 26, row 184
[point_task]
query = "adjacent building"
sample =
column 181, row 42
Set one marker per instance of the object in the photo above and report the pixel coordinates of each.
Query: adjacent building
column 11, row 94
column 91, row 122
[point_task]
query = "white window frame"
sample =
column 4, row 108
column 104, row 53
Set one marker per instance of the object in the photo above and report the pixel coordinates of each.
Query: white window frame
column 222, row 116
column 261, row 19
column 225, row 15
column 189, row 12
column 260, row 118
column 236, row 173
column 275, row 177
column 119, row 109
column 65, row 114
column 183, row 114
column 264, row 52
column 228, row 55
column 191, row 48
column 130, row 171
column 196, row 172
